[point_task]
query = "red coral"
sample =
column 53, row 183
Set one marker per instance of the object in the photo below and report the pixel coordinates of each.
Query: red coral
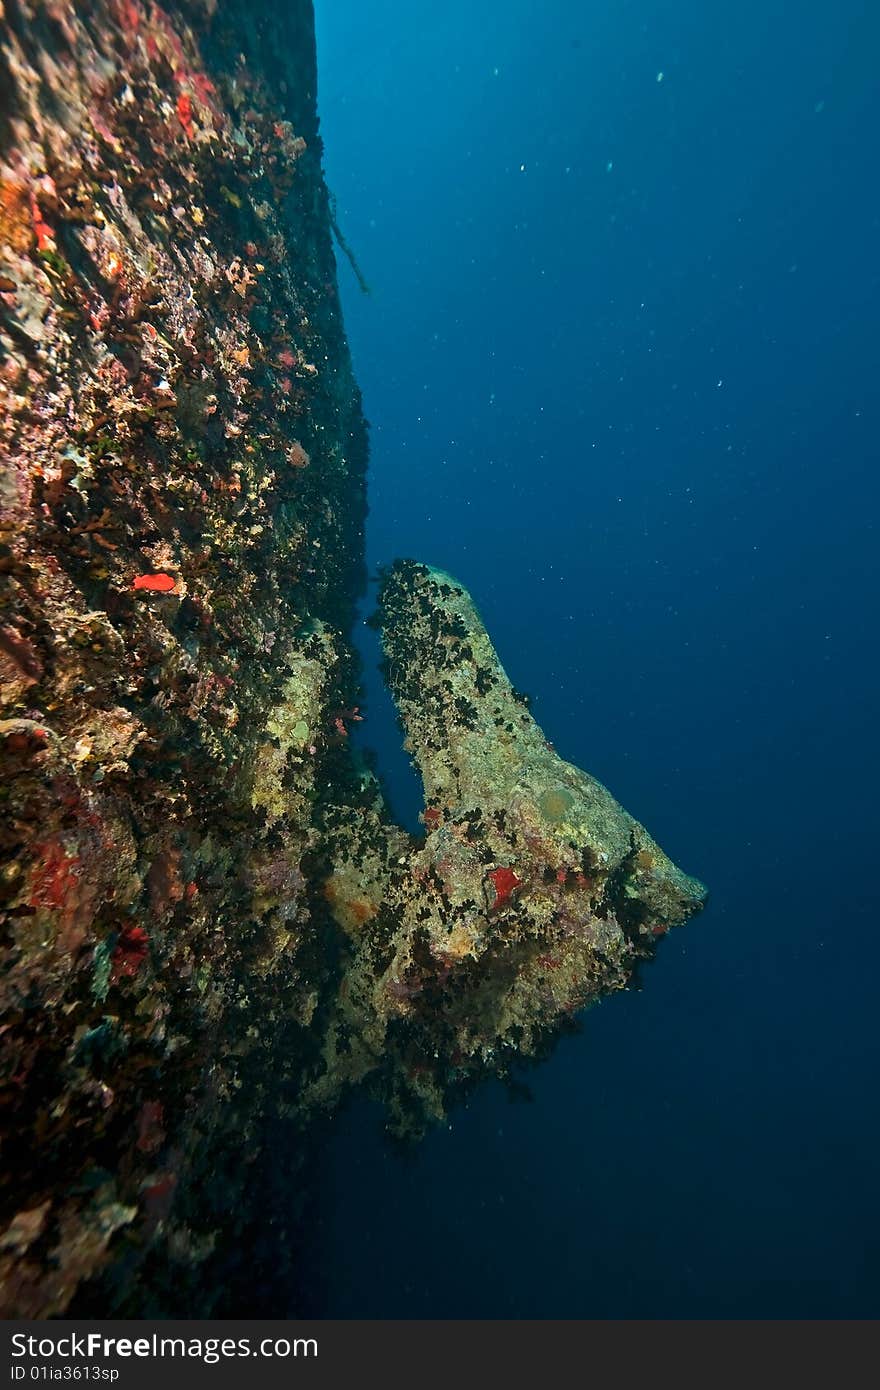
column 206, row 92
column 129, row 953
column 340, row 717
column 549, row 961
column 127, row 16
column 184, row 115
column 504, row 880
column 159, row 583
column 56, row 877
column 42, row 231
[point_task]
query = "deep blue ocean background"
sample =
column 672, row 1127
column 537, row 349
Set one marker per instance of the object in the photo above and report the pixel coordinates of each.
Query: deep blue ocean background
column 620, row 360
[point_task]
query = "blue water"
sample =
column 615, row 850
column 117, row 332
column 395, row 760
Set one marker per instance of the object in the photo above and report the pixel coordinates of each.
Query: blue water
column 620, row 361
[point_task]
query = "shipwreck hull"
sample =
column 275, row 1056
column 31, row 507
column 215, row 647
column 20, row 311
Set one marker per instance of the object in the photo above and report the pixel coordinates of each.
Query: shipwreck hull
column 211, row 930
